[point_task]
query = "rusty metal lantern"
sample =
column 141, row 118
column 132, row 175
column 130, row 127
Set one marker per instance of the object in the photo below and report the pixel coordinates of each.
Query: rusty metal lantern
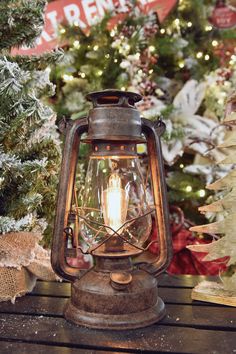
column 113, row 218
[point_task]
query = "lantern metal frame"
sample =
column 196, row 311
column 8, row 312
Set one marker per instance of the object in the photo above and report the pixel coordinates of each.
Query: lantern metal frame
column 119, row 303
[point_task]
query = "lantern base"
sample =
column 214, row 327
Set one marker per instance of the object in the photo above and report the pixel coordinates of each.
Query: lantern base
column 115, row 322
column 98, row 301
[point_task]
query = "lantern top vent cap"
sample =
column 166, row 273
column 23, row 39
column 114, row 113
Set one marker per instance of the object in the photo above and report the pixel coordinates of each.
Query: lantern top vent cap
column 113, row 98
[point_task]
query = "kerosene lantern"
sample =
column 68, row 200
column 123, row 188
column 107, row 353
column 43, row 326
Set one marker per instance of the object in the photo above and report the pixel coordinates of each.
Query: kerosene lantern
column 113, row 220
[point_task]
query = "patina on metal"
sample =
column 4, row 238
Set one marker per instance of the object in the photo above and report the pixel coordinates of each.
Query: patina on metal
column 120, row 291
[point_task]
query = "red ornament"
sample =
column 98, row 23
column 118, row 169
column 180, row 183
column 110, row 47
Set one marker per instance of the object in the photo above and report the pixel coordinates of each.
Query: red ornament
column 223, row 16
column 185, row 261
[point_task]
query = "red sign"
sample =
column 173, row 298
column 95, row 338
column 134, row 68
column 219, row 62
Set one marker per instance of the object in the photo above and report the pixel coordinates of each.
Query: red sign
column 83, row 13
column 223, row 16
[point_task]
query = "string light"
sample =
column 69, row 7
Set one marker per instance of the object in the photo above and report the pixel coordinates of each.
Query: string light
column 201, row 193
column 189, row 24
column 76, row 23
column 162, row 30
column 115, row 60
column 199, row 55
column 107, row 56
column 112, row 33
column 95, row 48
column 100, row 72
column 177, row 21
column 76, row 44
column 189, row 189
column 150, row 71
column 82, row 75
column 181, row 64
column 181, row 165
column 207, row 57
column 208, row 28
column 151, row 48
column 214, row 43
column 62, row 30
column 122, row 88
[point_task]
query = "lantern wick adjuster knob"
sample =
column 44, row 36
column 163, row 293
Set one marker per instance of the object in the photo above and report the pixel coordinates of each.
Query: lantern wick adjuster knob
column 120, row 280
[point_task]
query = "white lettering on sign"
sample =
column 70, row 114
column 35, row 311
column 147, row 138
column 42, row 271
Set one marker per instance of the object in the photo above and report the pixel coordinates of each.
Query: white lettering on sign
column 72, row 14
column 103, row 6
column 52, row 17
column 90, row 10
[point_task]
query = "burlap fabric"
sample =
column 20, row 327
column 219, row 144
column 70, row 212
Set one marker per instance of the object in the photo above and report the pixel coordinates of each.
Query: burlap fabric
column 22, row 261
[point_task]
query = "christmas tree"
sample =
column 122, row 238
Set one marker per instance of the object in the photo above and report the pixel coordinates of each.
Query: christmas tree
column 29, row 149
column 183, row 67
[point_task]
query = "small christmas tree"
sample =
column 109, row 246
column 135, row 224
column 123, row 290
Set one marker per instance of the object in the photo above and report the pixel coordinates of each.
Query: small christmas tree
column 29, row 146
column 225, row 209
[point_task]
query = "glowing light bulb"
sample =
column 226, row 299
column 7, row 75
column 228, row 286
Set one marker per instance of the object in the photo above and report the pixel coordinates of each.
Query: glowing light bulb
column 82, row 75
column 181, row 64
column 114, row 205
column 208, row 28
column 162, row 30
column 189, row 189
column 199, row 55
column 95, row 47
column 62, row 30
column 207, row 57
column 177, row 21
column 189, row 24
column 76, row 44
column 201, row 193
column 151, row 48
column 214, row 43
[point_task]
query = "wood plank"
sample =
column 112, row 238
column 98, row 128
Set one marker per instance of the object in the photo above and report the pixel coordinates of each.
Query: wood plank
column 52, row 289
column 38, row 306
column 26, row 348
column 164, row 280
column 169, row 295
column 181, row 281
column 188, row 316
column 154, row 338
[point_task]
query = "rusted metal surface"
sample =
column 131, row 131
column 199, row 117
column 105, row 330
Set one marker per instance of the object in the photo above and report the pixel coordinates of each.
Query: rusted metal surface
column 114, row 116
column 98, row 299
column 96, row 303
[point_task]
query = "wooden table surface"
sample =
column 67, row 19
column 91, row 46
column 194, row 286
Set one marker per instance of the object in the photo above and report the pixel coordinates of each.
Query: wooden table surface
column 35, row 324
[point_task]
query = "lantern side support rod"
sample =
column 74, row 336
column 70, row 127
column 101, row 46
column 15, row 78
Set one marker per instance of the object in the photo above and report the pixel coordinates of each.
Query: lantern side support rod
column 67, row 176
column 152, row 134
